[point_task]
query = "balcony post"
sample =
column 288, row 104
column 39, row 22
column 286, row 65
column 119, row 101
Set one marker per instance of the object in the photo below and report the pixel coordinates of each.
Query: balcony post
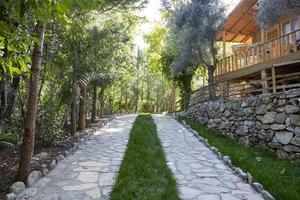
column 264, row 83
column 224, row 51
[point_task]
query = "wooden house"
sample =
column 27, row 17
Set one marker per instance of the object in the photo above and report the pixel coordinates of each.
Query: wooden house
column 263, row 61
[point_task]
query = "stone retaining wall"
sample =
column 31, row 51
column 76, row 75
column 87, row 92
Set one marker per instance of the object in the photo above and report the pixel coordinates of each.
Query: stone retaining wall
column 267, row 121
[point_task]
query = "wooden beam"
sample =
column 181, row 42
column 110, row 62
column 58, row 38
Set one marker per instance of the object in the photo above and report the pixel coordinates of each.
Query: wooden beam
column 273, row 79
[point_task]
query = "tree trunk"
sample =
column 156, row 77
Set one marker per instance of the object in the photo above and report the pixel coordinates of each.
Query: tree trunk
column 211, row 88
column 101, row 103
column 173, row 99
column 94, row 105
column 27, row 147
column 73, row 113
column 157, row 100
column 3, row 98
column 82, row 107
column 11, row 98
column 126, row 103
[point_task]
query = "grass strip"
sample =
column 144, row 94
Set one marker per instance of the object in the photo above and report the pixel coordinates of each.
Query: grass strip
column 144, row 174
column 280, row 177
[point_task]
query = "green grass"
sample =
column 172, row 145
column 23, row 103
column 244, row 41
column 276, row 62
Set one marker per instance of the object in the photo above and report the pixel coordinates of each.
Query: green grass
column 280, row 177
column 144, row 174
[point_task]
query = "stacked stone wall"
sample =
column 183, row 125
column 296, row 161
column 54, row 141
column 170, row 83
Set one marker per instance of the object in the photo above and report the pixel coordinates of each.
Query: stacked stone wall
column 268, row 121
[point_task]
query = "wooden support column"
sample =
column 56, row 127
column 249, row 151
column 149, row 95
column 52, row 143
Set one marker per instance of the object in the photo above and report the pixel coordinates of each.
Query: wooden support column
column 264, row 82
column 273, row 79
column 224, row 51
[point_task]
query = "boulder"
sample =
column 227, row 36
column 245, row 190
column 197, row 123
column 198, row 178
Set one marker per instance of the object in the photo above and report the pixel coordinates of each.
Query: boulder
column 17, row 187
column 290, row 109
column 283, row 137
column 32, row 177
column 269, row 118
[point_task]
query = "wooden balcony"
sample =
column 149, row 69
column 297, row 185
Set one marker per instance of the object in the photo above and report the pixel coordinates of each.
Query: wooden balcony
column 256, row 55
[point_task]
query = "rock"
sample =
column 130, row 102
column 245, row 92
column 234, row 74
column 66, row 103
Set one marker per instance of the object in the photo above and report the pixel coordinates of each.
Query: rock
column 248, row 111
column 32, row 177
column 291, row 148
column 236, row 106
column 283, row 137
column 277, row 127
column 295, row 156
column 10, row 196
column 269, row 118
column 290, row 109
column 249, row 178
column 266, row 195
column 280, row 118
column 227, row 113
column 240, row 173
column 261, row 110
column 52, row 164
column 249, row 123
column 244, row 104
column 17, row 187
column 281, row 102
column 44, row 165
column 293, row 93
column 257, row 186
column 222, row 107
column 297, row 130
column 295, row 120
column 45, row 171
column 296, row 140
column 282, row 154
column 275, row 145
column 226, row 159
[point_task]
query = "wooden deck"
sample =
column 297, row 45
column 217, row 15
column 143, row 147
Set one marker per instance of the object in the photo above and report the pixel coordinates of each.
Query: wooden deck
column 253, row 58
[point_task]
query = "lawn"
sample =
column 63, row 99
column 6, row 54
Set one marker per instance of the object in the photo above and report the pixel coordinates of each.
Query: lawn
column 144, row 174
column 280, row 177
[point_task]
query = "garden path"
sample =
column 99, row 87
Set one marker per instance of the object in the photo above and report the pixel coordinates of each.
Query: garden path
column 91, row 171
column 199, row 174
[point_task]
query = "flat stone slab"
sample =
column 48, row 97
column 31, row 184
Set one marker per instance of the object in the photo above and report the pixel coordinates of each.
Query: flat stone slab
column 199, row 174
column 90, row 172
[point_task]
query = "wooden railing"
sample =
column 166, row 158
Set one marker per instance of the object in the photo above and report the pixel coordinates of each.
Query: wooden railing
column 275, row 83
column 260, row 52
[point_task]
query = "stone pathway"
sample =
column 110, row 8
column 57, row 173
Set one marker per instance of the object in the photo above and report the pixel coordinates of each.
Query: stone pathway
column 91, row 171
column 200, row 175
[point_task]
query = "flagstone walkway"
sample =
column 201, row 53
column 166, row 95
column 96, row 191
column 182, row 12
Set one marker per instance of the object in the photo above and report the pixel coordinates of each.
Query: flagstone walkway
column 200, row 175
column 90, row 172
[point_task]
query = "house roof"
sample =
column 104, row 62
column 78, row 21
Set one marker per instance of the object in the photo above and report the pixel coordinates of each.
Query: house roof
column 240, row 23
